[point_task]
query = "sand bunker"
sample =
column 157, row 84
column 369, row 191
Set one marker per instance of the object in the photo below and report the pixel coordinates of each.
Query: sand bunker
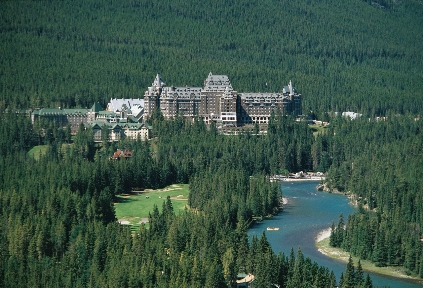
column 143, row 220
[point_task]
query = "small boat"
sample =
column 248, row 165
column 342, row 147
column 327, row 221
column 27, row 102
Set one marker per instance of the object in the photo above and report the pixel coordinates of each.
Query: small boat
column 272, row 228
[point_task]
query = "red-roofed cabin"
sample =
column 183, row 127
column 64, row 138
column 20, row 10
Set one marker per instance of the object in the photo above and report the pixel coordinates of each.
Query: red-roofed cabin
column 122, row 154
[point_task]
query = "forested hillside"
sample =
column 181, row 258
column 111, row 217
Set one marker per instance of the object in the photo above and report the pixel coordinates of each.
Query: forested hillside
column 380, row 164
column 362, row 56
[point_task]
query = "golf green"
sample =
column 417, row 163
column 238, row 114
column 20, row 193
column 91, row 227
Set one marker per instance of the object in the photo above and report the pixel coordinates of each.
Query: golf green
column 133, row 208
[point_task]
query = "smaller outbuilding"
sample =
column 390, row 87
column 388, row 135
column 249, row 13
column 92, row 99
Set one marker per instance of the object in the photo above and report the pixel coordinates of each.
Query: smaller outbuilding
column 122, row 154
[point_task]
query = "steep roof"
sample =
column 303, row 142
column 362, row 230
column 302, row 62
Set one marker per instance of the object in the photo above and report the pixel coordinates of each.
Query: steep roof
column 134, row 126
column 158, row 82
column 99, row 124
column 122, row 154
column 289, row 89
column 137, row 111
column 75, row 111
column 181, row 92
column 117, row 104
column 96, row 107
column 217, row 83
column 51, row 111
column 59, row 111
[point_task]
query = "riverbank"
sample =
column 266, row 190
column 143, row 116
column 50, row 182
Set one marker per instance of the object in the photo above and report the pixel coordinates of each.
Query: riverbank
column 322, row 244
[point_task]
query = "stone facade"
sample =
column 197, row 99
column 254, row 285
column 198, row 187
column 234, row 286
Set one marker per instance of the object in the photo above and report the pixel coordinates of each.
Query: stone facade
column 217, row 101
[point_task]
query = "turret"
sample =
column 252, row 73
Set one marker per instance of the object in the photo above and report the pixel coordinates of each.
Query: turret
column 291, row 90
column 158, row 84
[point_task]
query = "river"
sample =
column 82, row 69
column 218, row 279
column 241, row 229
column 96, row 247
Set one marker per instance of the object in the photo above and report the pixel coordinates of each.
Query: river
column 307, row 213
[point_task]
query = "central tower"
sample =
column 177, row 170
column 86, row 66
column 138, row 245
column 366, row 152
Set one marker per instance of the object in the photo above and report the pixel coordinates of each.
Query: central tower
column 152, row 95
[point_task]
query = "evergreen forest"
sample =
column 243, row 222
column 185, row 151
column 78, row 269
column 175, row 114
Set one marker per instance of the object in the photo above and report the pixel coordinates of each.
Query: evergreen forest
column 58, row 226
column 362, row 56
column 380, row 165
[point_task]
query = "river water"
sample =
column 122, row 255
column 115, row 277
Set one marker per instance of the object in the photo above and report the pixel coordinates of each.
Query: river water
column 307, row 213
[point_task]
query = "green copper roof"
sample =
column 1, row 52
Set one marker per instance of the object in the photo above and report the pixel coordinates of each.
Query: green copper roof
column 51, row 111
column 75, row 111
column 96, row 107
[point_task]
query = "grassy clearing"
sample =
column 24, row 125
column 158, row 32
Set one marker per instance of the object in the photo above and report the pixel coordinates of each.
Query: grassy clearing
column 40, row 150
column 339, row 254
column 317, row 129
column 133, row 208
column 37, row 151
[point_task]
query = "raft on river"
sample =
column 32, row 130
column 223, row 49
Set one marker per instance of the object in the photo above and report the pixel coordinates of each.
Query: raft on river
column 272, row 228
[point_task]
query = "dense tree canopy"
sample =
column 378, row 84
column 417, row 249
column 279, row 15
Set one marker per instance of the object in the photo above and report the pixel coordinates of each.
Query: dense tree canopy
column 58, row 225
column 349, row 55
column 380, row 165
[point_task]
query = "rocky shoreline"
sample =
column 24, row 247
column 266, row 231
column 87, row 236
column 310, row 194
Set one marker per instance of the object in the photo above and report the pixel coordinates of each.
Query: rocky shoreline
column 324, row 187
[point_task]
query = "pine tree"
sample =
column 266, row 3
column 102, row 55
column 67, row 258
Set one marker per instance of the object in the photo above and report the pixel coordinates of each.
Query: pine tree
column 368, row 282
column 349, row 280
column 214, row 276
column 359, row 277
column 332, row 237
column 421, row 266
column 228, row 262
column 340, row 231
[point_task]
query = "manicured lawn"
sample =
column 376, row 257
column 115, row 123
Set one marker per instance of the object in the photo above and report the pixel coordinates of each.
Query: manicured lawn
column 317, row 129
column 132, row 209
column 37, row 151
